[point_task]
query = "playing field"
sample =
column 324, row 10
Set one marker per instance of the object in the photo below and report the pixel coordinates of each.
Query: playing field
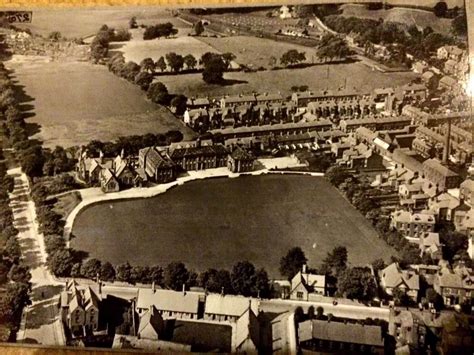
column 256, row 52
column 217, row 222
column 317, row 77
column 72, row 103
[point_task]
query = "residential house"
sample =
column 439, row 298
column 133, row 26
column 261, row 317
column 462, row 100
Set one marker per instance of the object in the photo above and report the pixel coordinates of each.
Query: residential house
column 430, row 80
column 430, row 245
column 450, row 67
column 123, row 171
column 108, row 181
column 170, row 304
column 228, row 308
column 198, row 102
column 448, row 83
column 157, row 165
column 419, row 67
column 79, row 308
column 450, row 52
column 325, row 336
column 466, row 192
column 455, row 286
column 240, row 160
column 464, row 222
column 413, row 225
column 151, row 324
column 440, row 175
column 446, row 206
column 89, row 169
column 393, row 278
column 304, row 286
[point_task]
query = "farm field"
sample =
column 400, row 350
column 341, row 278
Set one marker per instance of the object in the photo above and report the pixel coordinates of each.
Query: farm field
column 256, row 52
column 355, row 75
column 72, row 103
column 420, row 18
column 137, row 49
column 74, row 23
column 217, row 222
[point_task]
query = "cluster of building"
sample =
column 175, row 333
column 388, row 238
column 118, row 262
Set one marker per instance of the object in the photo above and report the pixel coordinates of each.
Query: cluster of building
column 160, row 164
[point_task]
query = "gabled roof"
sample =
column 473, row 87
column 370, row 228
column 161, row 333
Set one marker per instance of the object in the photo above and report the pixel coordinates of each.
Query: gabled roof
column 149, row 321
column 229, row 305
column 167, row 300
column 392, row 276
column 309, row 281
column 439, row 167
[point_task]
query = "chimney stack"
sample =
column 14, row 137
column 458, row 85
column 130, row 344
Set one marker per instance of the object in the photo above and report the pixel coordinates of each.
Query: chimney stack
column 304, row 269
column 446, row 143
column 184, row 289
column 153, row 287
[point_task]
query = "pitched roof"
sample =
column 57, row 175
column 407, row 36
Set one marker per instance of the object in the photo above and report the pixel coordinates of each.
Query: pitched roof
column 439, row 167
column 242, row 154
column 343, row 332
column 393, row 277
column 230, row 305
column 167, row 300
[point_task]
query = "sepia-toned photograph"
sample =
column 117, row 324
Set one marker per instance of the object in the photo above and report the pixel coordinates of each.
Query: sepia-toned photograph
column 291, row 179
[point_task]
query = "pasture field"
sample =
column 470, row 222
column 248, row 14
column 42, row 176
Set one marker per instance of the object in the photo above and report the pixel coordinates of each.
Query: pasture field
column 72, row 103
column 75, row 23
column 256, row 52
column 217, row 222
column 420, row 18
column 353, row 75
column 137, row 49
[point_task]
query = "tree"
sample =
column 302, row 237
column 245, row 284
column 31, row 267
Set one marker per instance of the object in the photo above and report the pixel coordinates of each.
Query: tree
column 198, row 28
column 175, row 61
column 378, row 264
column 61, row 262
column 19, row 273
column 107, row 272
column 459, row 25
column 261, row 287
column 123, row 272
column 292, row 262
column 243, row 278
column 144, row 80
column 161, row 64
column 31, row 161
column 179, row 104
column 400, row 297
column 130, row 71
column 91, row 268
column 190, row 61
column 336, row 175
column 98, row 52
column 228, row 57
column 214, row 67
column 336, row 260
column 176, row 276
column 356, row 283
column 156, row 274
column 440, row 9
column 55, row 36
column 148, row 65
column 159, row 30
column 15, row 299
column 333, row 46
column 292, row 57
column 158, row 93
column 216, row 281
column 133, row 23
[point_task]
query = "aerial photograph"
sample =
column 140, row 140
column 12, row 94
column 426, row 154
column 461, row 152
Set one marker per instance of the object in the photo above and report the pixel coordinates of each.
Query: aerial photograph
column 291, row 179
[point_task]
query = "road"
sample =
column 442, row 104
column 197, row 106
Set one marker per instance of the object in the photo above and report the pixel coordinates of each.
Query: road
column 40, row 323
column 340, row 310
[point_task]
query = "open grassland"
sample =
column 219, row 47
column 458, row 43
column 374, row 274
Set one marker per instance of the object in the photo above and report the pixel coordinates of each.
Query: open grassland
column 420, row 18
column 317, row 77
column 256, row 52
column 74, row 23
column 72, row 103
column 137, row 49
column 217, row 222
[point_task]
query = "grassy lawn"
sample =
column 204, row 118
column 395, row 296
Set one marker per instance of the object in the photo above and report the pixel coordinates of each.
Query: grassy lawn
column 256, row 52
column 85, row 22
column 66, row 203
column 137, row 49
column 72, row 103
column 417, row 17
column 215, row 223
column 355, row 75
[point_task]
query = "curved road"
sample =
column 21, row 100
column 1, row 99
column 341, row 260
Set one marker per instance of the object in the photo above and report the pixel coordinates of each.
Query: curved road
column 40, row 322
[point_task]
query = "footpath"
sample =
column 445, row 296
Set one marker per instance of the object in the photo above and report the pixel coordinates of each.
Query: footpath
column 40, row 322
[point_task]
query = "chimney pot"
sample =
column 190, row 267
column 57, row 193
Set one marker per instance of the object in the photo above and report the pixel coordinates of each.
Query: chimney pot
column 184, row 289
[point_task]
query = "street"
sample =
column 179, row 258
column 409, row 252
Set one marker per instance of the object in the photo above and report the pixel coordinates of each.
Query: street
column 40, row 323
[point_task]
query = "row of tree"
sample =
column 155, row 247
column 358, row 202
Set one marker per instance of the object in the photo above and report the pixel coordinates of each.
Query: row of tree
column 160, row 30
column 14, row 276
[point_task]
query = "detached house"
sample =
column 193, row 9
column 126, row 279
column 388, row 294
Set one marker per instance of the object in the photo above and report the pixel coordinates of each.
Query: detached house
column 413, row 225
column 393, row 278
column 304, row 285
column 79, row 308
column 455, row 286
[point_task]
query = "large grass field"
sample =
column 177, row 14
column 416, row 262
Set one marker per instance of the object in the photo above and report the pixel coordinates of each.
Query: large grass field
column 353, row 75
column 74, row 23
column 217, row 222
column 73, row 103
column 256, row 52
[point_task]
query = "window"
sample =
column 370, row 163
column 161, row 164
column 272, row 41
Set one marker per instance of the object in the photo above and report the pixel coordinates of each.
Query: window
column 299, row 294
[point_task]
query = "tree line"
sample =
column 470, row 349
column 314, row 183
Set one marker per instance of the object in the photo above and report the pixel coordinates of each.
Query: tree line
column 101, row 42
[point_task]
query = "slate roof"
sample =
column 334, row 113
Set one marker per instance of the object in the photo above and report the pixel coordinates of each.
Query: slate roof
column 341, row 332
column 436, row 165
column 229, row 305
column 167, row 300
column 208, row 151
column 392, row 276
